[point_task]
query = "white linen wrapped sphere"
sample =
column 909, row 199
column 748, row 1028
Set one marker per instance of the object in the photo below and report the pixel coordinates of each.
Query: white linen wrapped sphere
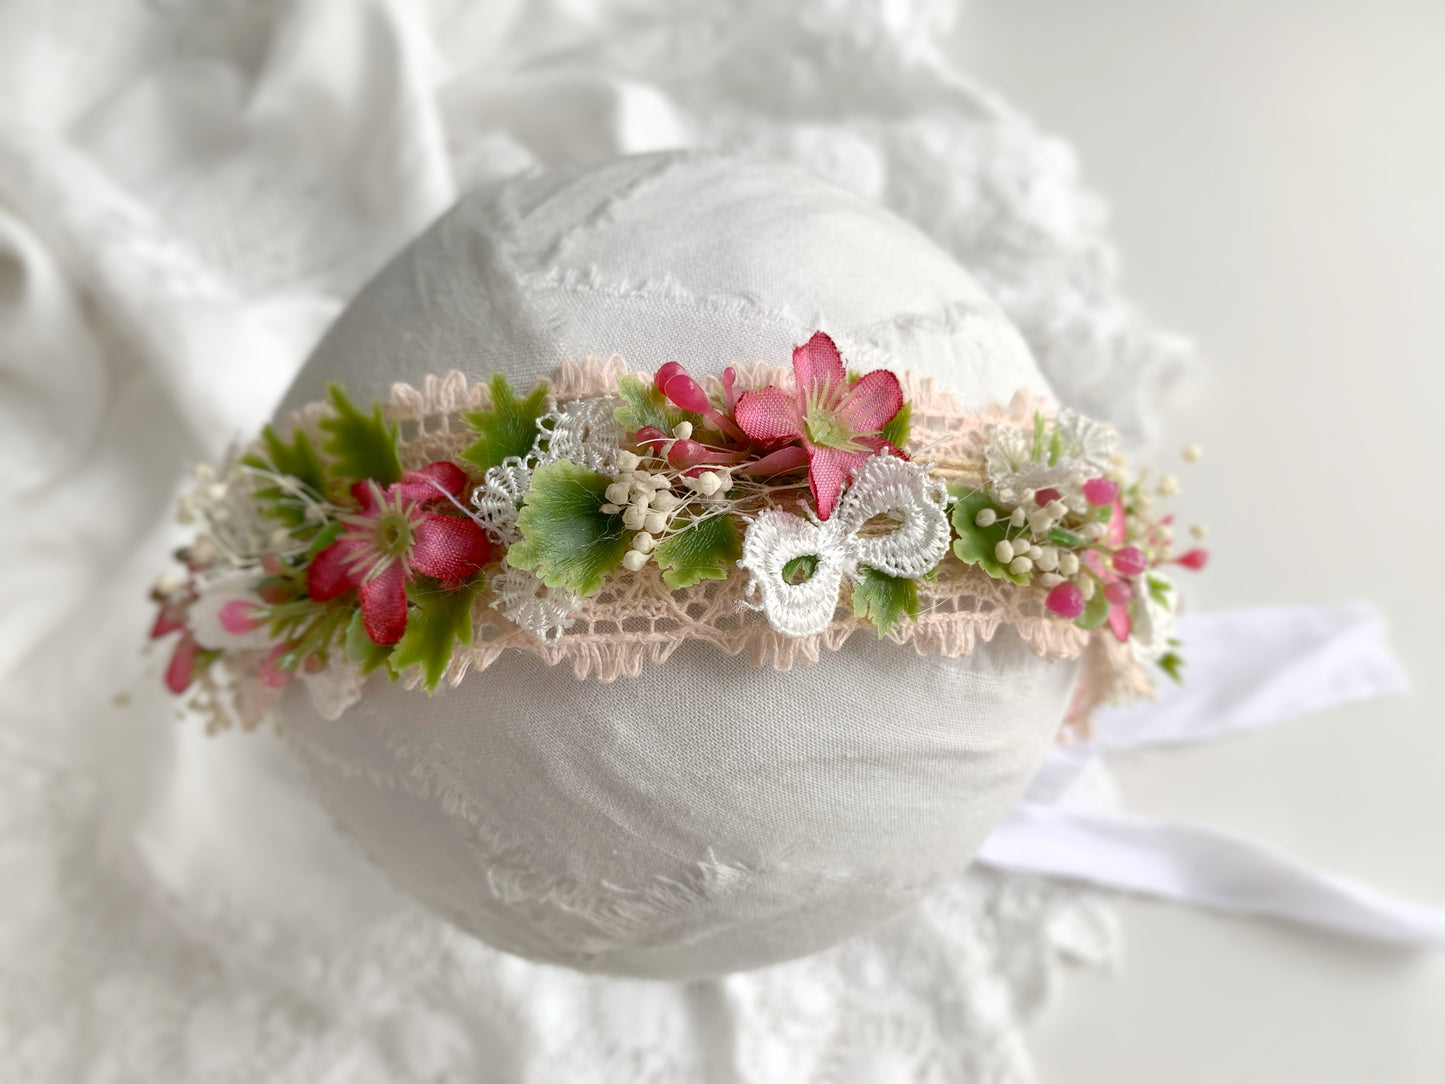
column 709, row 815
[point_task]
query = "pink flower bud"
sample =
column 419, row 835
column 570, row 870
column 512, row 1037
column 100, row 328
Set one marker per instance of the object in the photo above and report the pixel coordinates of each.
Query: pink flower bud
column 672, row 380
column 1195, row 559
column 181, row 670
column 1130, row 561
column 240, row 616
column 650, row 434
column 273, row 675
column 1044, row 496
column 1119, row 593
column 1066, row 600
column 1101, row 491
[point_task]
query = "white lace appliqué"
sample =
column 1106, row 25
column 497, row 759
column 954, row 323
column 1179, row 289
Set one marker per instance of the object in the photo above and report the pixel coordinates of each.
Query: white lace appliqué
column 883, row 486
column 544, row 612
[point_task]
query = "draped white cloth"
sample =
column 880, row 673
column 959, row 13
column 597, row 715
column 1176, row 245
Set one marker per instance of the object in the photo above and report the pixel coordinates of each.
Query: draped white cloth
column 188, row 194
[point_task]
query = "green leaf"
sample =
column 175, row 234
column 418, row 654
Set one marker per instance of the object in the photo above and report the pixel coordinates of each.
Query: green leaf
column 644, row 405
column 362, row 649
column 1038, row 436
column 884, row 599
column 975, row 544
column 1171, row 663
column 360, row 445
column 1068, row 539
column 437, row 621
column 703, row 551
column 568, row 542
column 1096, row 611
column 1159, row 591
column 506, row 428
column 899, row 427
column 295, row 457
column 806, row 564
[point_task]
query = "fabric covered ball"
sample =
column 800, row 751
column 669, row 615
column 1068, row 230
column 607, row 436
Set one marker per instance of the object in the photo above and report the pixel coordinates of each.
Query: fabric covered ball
column 709, row 815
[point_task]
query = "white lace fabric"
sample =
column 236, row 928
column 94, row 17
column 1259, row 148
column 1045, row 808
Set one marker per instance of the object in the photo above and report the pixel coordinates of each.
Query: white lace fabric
column 188, row 193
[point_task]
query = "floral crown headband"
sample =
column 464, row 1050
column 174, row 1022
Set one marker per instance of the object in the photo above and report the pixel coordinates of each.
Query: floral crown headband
column 607, row 517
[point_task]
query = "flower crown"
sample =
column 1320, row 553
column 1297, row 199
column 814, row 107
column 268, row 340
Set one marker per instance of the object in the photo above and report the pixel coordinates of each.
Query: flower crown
column 606, row 517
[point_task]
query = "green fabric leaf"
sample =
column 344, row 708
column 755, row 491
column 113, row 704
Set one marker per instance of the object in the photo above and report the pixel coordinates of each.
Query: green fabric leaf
column 568, row 542
column 975, row 545
column 506, row 428
column 296, row 457
column 1068, row 539
column 896, row 432
column 1096, row 611
column 884, row 600
column 362, row 649
column 1172, row 663
column 644, row 405
column 360, row 445
column 1160, row 590
column 800, row 569
column 703, row 551
column 437, row 621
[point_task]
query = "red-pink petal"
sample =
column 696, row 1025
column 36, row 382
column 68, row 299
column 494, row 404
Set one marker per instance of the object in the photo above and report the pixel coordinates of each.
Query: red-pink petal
column 872, row 402
column 1117, row 527
column 818, row 367
column 335, row 570
column 366, row 493
column 787, row 458
column 383, row 605
column 449, row 548
column 828, row 470
column 730, row 389
column 435, row 481
column 172, row 615
column 770, row 415
column 181, row 670
column 1119, row 622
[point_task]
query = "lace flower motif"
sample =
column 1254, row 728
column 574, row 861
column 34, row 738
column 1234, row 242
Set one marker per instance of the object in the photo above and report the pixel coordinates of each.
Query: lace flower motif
column 524, row 601
column 883, row 486
column 498, row 498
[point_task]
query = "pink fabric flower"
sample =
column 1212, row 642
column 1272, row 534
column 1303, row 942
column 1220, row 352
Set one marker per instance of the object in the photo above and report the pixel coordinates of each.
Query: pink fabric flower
column 839, row 424
column 393, row 538
column 1117, row 590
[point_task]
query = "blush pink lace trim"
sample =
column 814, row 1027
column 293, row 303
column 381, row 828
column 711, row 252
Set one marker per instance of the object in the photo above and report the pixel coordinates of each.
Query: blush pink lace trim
column 637, row 619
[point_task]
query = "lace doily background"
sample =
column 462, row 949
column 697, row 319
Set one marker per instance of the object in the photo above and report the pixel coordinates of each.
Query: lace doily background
column 188, row 193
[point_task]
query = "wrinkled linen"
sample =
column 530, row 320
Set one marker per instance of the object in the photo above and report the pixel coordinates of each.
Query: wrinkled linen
column 188, row 195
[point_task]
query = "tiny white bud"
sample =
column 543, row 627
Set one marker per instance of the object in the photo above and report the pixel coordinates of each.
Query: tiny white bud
column 1035, row 552
column 1018, row 517
column 641, row 493
column 1021, row 566
column 170, row 582
column 216, row 491
column 1026, row 497
column 618, row 492
column 643, row 541
column 682, row 430
column 1087, row 588
column 655, row 522
column 708, row 483
column 1004, row 552
column 611, row 509
column 633, row 560
column 1168, row 486
column 1192, row 453
column 1058, row 508
column 1199, row 531
column 1051, row 579
column 1093, row 531
column 279, row 537
column 632, row 517
column 658, row 482
column 986, row 517
column 1048, row 559
column 1068, row 563
column 666, row 501
column 628, row 461
column 203, row 549
column 1041, row 520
